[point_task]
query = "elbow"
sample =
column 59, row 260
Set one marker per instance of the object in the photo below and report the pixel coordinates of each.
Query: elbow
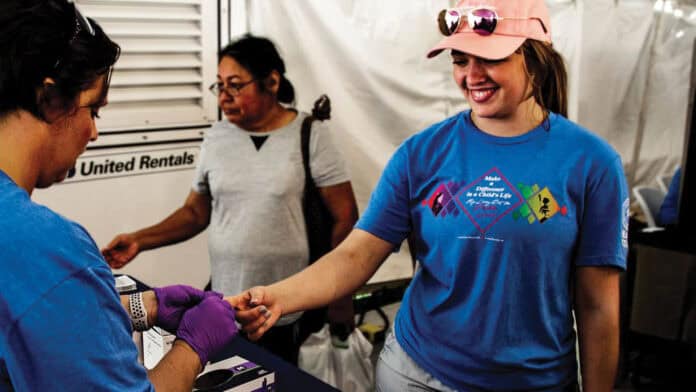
column 199, row 220
column 347, row 217
column 352, row 217
column 202, row 221
column 604, row 312
column 202, row 224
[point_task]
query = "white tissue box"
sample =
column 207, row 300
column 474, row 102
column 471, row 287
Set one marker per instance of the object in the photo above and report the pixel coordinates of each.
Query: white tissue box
column 124, row 283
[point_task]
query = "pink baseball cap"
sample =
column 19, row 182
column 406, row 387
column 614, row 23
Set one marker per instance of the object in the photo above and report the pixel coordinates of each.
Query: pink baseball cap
column 496, row 38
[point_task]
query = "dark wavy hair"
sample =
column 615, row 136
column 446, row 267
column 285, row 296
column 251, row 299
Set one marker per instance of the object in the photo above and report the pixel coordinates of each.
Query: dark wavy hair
column 260, row 57
column 39, row 39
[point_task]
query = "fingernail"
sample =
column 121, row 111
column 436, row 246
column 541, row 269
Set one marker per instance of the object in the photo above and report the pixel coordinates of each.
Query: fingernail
column 254, row 301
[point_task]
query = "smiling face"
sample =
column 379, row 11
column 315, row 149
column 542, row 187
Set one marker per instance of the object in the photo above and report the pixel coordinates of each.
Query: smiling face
column 495, row 89
column 253, row 104
column 69, row 133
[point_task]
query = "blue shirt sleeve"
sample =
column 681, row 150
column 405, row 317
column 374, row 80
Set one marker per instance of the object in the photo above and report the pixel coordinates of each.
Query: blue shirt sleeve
column 669, row 210
column 603, row 237
column 387, row 215
column 76, row 338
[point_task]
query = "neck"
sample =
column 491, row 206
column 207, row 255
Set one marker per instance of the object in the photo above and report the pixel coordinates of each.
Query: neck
column 527, row 117
column 277, row 117
column 20, row 148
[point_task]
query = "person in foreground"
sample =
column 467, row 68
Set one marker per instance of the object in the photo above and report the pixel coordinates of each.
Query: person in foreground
column 62, row 323
column 520, row 217
column 249, row 187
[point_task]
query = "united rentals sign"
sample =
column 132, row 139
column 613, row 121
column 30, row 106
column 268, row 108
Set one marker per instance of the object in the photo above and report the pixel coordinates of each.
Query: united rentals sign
column 110, row 165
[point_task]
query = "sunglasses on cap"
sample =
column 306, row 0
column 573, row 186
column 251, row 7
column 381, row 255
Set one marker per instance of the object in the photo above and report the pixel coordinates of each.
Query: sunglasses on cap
column 81, row 24
column 481, row 20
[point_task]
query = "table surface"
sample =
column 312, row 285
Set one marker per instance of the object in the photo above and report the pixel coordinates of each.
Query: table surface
column 287, row 376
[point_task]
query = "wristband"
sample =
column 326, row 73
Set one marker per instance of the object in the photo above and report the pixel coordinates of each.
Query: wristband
column 138, row 313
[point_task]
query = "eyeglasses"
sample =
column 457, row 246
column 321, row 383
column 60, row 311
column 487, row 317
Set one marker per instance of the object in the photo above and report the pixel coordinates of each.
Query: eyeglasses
column 233, row 89
column 481, row 20
column 81, row 24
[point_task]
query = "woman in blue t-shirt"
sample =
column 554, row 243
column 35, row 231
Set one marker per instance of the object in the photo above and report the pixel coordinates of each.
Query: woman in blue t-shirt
column 519, row 217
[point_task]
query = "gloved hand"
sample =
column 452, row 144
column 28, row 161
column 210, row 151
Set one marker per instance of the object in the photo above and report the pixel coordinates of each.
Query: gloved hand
column 208, row 327
column 173, row 301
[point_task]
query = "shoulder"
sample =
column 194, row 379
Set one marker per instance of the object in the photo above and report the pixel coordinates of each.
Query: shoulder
column 320, row 132
column 40, row 251
column 435, row 137
column 72, row 235
column 317, row 126
column 220, row 129
column 576, row 136
column 25, row 220
column 440, row 129
column 218, row 140
column 41, row 246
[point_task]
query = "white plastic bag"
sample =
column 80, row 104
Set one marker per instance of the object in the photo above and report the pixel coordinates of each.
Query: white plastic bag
column 349, row 368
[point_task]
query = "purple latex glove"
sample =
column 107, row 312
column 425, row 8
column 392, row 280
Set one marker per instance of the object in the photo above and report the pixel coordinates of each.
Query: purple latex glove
column 173, row 301
column 208, row 327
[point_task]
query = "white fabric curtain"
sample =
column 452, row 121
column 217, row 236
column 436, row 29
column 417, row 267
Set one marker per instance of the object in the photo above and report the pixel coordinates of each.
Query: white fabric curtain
column 633, row 80
column 629, row 63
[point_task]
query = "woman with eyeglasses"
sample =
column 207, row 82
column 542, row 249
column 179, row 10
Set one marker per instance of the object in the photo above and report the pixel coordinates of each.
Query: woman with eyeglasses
column 63, row 326
column 519, row 217
column 249, row 185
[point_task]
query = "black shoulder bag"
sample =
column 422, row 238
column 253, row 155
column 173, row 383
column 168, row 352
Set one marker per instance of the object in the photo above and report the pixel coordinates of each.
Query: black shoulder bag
column 318, row 220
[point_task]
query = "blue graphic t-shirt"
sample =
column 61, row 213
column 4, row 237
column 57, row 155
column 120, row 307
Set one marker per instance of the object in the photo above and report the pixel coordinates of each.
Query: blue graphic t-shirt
column 62, row 326
column 500, row 223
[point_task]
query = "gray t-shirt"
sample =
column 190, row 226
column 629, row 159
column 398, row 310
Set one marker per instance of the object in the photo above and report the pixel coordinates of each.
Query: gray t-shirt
column 257, row 232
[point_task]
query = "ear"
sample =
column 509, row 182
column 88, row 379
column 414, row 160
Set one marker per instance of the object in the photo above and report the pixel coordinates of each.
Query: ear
column 272, row 82
column 43, row 93
column 45, row 98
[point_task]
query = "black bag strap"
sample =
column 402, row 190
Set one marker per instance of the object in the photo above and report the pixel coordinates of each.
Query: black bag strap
column 306, row 130
column 321, row 112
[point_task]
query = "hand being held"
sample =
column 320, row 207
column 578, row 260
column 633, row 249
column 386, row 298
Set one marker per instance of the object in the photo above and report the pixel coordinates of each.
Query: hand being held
column 208, row 327
column 257, row 311
column 173, row 301
column 121, row 250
